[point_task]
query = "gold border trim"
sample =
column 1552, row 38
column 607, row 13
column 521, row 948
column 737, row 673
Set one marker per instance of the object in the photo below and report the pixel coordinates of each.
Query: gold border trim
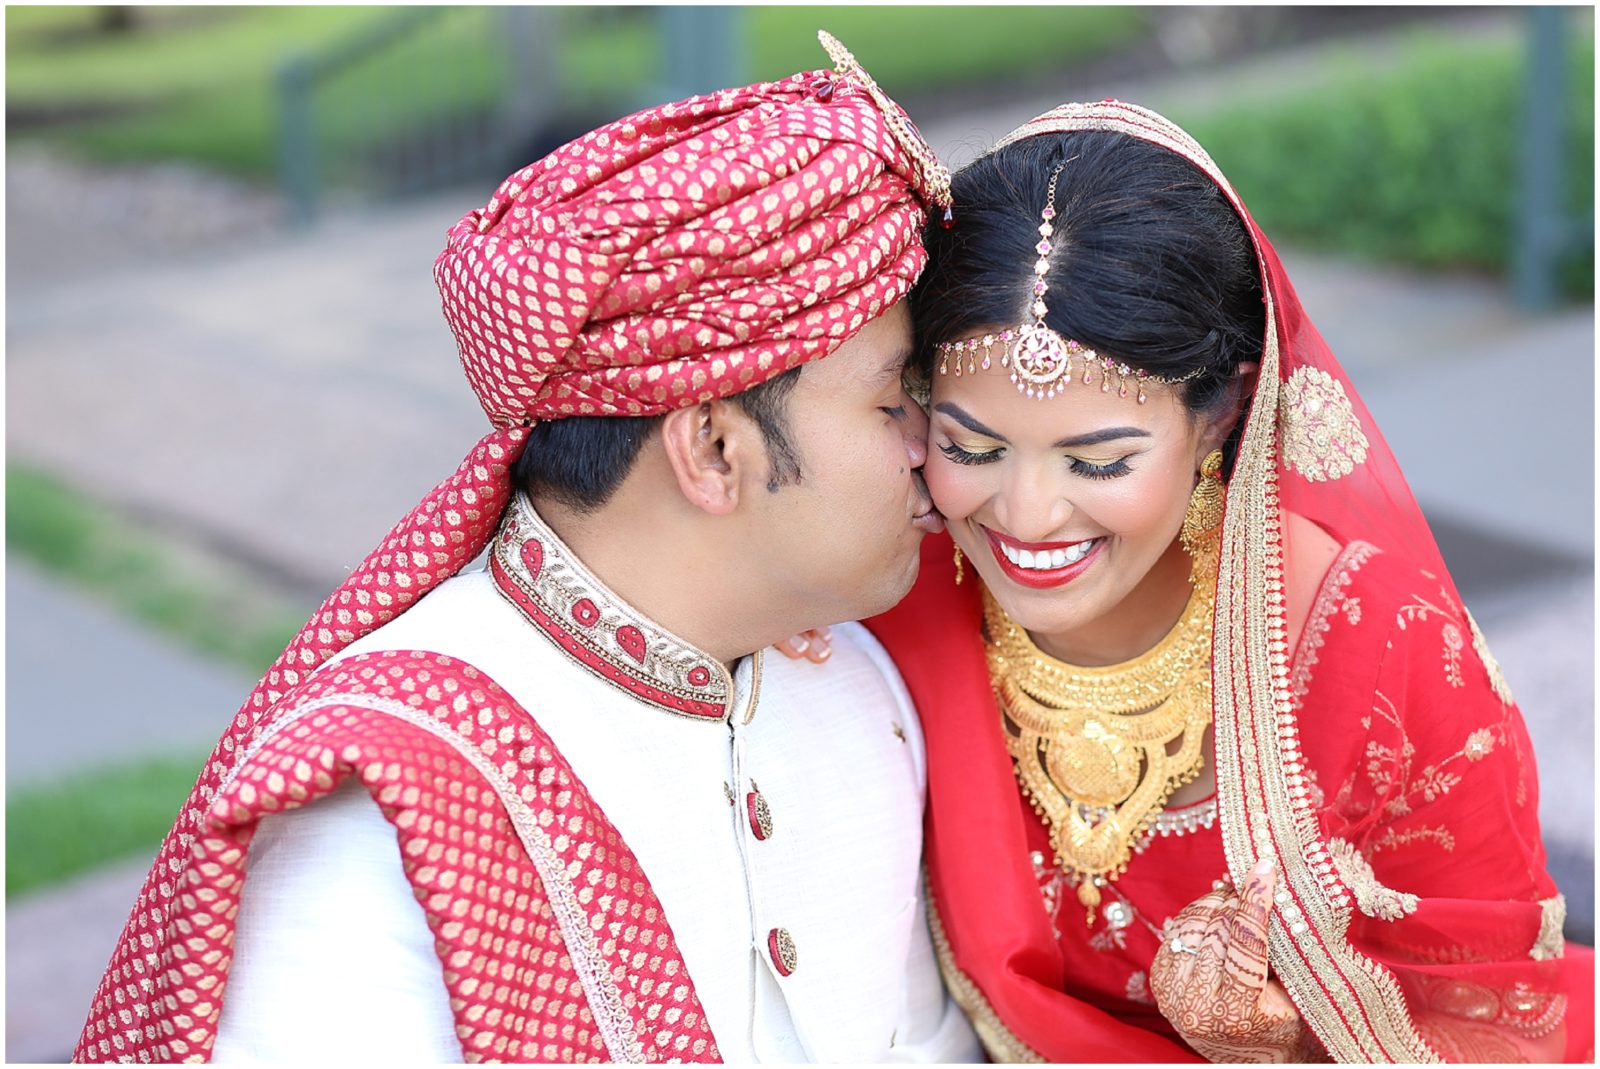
column 999, row 1041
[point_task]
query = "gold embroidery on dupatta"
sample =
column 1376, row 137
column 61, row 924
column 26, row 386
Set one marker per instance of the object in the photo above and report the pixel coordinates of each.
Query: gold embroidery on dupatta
column 1372, row 897
column 999, row 1041
column 1355, row 1006
column 1480, row 646
column 1322, row 438
column 1389, row 771
column 1552, row 918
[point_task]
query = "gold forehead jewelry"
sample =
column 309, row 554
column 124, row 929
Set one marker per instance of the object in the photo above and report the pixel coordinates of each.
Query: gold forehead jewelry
column 1039, row 358
column 933, row 177
column 1090, row 744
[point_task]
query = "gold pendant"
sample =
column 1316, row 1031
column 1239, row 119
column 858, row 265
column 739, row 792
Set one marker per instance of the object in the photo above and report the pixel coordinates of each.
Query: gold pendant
column 1089, row 895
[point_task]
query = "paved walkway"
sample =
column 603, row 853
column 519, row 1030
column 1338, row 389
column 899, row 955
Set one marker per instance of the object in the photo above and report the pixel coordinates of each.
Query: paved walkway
column 286, row 397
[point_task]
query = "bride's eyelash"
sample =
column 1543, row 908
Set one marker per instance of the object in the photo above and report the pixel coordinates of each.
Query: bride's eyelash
column 962, row 456
column 1113, row 470
column 1101, row 471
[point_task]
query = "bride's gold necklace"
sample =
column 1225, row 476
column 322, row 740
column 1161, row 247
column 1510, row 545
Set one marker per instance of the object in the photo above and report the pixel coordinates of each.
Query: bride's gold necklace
column 1090, row 745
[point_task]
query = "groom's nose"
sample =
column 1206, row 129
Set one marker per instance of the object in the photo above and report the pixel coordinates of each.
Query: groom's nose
column 914, row 428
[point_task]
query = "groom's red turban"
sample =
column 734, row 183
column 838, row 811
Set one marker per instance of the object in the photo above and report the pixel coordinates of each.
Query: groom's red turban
column 690, row 251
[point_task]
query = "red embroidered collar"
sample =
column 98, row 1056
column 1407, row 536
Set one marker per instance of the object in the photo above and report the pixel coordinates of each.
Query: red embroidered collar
column 538, row 574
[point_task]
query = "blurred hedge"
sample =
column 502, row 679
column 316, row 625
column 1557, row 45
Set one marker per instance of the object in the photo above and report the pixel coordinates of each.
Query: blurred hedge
column 1418, row 164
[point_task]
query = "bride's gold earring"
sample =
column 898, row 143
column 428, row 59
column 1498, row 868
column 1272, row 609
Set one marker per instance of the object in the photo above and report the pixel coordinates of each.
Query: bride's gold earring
column 959, row 570
column 1204, row 515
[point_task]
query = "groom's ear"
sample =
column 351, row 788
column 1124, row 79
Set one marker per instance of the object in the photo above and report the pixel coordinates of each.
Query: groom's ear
column 715, row 452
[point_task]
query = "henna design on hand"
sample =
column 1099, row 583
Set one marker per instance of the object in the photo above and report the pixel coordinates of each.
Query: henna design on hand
column 1222, row 999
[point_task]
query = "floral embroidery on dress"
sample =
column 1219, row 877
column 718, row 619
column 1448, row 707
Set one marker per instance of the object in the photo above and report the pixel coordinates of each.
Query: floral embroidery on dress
column 1481, row 647
column 1438, row 834
column 1330, row 600
column 1420, row 609
column 1321, row 437
column 1138, row 989
column 1452, row 654
column 1372, row 897
column 1116, row 915
column 1389, row 770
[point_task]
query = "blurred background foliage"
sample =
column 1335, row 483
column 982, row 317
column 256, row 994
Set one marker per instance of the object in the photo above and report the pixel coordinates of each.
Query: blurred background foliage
column 1415, row 166
column 198, row 83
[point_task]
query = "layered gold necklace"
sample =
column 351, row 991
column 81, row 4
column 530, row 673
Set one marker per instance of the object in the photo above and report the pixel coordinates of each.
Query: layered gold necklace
column 1091, row 745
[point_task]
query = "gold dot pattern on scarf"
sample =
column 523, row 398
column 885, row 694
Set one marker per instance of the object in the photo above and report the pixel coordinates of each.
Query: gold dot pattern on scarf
column 553, row 945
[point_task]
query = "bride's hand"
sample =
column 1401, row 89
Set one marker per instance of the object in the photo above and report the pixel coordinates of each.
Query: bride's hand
column 1211, row 980
column 815, row 645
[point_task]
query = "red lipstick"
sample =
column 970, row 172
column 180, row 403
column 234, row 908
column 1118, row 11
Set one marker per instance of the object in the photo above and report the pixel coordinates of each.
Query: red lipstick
column 1034, row 578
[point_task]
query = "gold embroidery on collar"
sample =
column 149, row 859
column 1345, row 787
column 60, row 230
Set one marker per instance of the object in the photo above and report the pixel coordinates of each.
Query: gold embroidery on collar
column 590, row 613
column 1322, row 438
column 1372, row 897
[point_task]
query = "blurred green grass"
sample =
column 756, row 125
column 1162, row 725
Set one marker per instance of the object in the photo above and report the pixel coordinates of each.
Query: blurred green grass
column 207, row 605
column 81, row 822
column 912, row 48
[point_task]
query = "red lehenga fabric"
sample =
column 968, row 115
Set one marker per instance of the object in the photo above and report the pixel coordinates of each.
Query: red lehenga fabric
column 1383, row 764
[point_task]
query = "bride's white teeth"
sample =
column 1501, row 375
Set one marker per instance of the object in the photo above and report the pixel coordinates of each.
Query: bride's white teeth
column 1047, row 559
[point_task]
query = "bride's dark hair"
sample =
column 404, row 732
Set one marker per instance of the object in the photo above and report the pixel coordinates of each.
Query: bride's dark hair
column 1151, row 265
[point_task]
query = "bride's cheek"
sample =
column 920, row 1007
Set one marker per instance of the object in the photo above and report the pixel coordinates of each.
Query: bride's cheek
column 958, row 490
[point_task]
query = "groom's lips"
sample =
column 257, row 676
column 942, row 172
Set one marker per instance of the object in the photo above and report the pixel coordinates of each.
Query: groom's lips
column 927, row 519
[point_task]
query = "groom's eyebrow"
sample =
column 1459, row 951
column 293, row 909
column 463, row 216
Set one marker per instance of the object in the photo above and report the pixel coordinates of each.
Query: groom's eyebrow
column 892, row 368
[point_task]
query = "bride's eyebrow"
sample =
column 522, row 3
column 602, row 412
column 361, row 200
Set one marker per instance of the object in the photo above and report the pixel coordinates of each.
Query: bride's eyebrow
column 1108, row 434
column 967, row 420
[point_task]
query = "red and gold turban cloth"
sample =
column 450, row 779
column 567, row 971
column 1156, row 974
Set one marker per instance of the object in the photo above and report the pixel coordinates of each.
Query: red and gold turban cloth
column 677, row 255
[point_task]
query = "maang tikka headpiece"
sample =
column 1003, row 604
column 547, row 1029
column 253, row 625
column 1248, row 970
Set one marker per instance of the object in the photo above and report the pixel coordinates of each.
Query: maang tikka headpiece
column 1040, row 359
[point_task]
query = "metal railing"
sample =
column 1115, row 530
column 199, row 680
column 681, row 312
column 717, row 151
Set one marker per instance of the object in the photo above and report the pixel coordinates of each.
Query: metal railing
column 434, row 95
column 1545, row 234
